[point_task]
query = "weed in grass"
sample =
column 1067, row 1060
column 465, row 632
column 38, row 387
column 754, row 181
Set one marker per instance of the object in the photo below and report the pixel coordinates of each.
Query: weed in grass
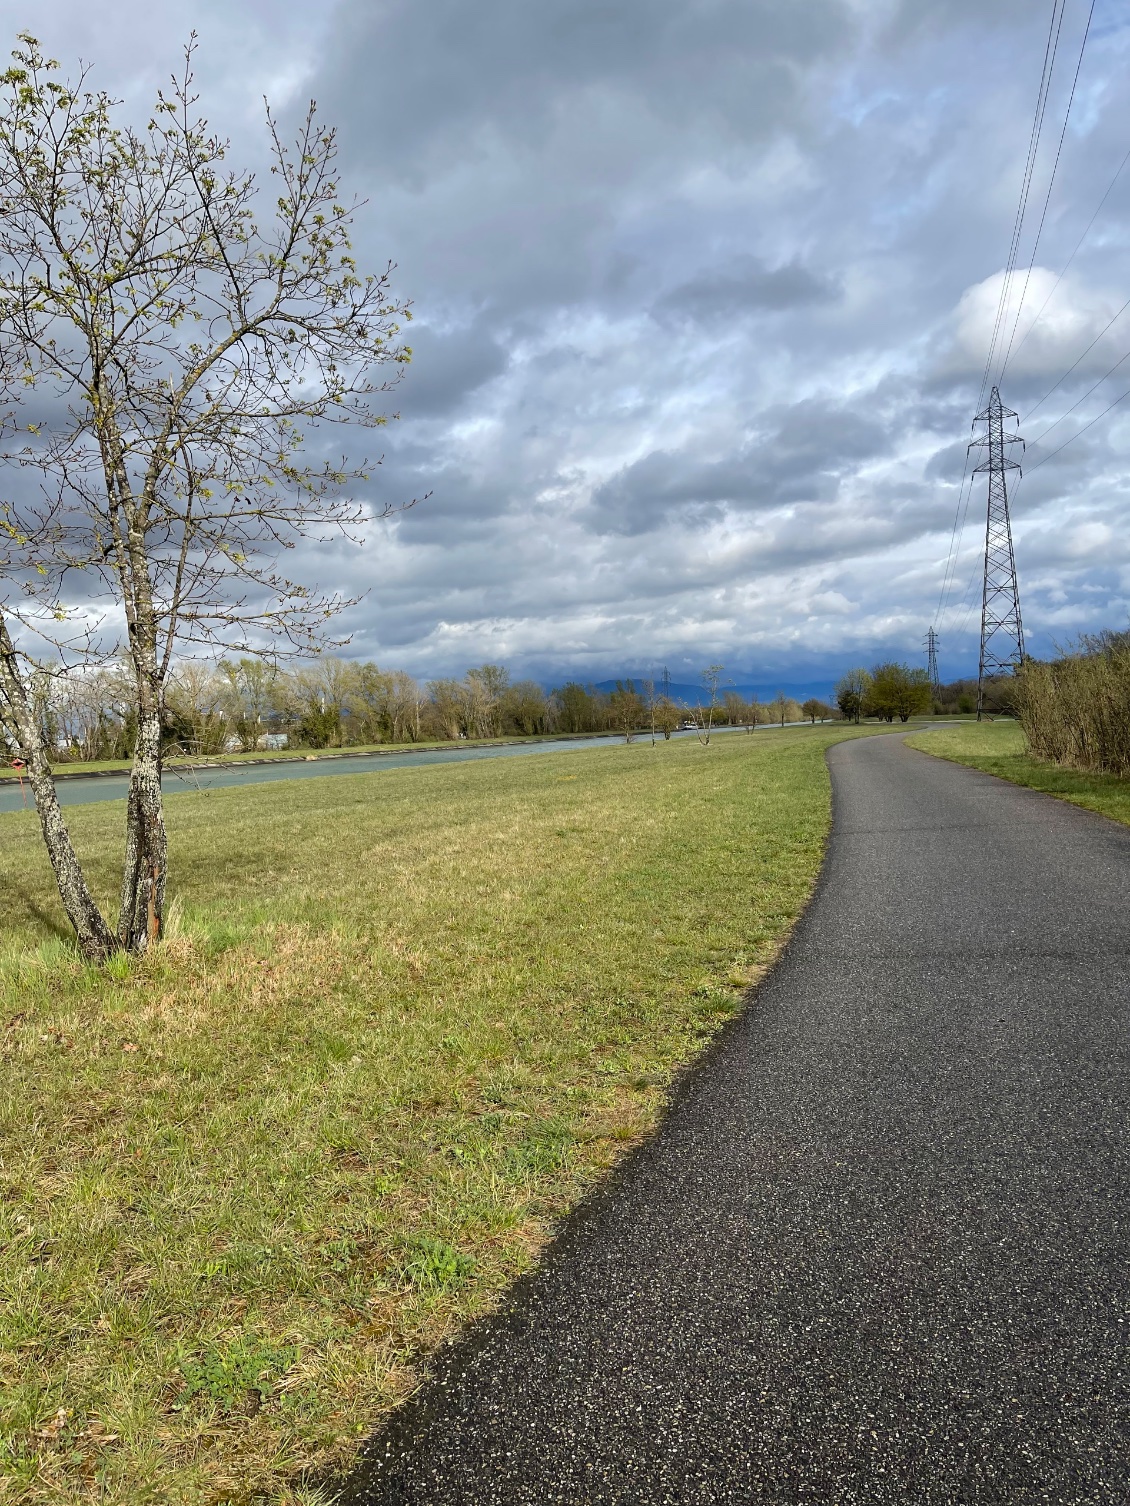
column 433, row 1265
column 237, row 1373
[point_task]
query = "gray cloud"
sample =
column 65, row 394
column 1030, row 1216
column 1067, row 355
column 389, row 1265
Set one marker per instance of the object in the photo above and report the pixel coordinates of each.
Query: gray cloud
column 450, row 365
column 745, row 286
column 800, row 455
column 452, row 80
column 702, row 292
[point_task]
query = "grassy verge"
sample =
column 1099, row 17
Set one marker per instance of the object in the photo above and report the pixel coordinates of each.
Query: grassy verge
column 281, row 755
column 402, row 1022
column 1000, row 748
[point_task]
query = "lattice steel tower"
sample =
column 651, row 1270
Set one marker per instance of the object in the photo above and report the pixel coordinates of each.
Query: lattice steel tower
column 1002, row 631
column 932, row 660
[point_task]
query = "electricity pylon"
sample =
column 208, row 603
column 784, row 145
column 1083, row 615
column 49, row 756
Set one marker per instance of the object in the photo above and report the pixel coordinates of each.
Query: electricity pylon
column 932, row 654
column 1002, row 631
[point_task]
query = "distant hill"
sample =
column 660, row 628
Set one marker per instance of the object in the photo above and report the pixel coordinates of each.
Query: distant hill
column 694, row 695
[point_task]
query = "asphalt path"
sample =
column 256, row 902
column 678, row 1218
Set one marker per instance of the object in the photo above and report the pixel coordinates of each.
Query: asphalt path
column 878, row 1250
column 181, row 777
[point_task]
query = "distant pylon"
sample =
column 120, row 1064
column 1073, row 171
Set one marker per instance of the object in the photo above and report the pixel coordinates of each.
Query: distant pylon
column 932, row 654
column 666, row 683
column 1002, row 631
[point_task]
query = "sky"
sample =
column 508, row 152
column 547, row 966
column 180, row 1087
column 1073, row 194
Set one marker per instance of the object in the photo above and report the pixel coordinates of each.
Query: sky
column 703, row 293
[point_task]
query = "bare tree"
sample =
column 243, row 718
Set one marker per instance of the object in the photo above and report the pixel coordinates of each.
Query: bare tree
column 483, row 689
column 251, row 689
column 647, row 691
column 405, row 701
column 666, row 716
column 197, row 700
column 711, row 677
column 851, row 691
column 93, row 713
column 166, row 358
column 448, row 706
column 525, row 707
column 627, row 709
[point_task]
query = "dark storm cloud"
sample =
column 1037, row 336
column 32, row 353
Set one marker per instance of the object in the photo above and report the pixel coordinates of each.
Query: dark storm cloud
column 744, row 286
column 800, row 455
column 446, row 79
column 449, row 365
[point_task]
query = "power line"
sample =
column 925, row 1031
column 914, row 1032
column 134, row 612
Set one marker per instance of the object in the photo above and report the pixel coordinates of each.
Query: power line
column 951, row 556
column 1051, row 185
column 1075, row 363
column 1070, row 259
column 1045, row 458
column 1051, row 47
column 1040, row 437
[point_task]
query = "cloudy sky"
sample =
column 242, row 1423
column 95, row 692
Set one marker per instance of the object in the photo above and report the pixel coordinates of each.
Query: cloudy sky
column 703, row 295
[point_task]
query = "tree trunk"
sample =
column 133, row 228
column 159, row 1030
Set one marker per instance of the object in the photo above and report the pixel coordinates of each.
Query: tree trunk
column 96, row 940
column 142, row 911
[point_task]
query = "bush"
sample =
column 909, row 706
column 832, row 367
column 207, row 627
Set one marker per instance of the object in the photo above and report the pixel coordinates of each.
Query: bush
column 1075, row 710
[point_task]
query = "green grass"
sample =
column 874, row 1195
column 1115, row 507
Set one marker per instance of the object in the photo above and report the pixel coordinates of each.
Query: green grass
column 1000, row 748
column 402, row 1022
column 262, row 755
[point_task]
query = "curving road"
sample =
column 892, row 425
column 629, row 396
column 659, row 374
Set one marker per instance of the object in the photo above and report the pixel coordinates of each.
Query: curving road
column 878, row 1251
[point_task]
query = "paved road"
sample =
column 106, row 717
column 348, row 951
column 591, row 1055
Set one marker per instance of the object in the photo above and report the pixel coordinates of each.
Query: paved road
column 878, row 1252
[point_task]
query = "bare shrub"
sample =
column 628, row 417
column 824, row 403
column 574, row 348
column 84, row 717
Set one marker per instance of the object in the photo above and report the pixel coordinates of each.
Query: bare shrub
column 1075, row 710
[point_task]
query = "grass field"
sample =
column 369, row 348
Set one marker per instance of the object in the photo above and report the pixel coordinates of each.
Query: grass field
column 1000, row 748
column 282, row 755
column 401, row 1023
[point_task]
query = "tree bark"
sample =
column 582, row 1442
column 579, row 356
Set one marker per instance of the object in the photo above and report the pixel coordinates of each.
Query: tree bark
column 96, row 940
column 142, row 911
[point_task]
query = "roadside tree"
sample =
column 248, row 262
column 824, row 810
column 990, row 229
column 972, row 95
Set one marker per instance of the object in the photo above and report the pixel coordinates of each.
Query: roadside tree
column 447, row 704
column 628, row 710
column 525, row 708
column 666, row 716
column 251, row 688
column 704, row 714
column 893, row 690
column 483, row 689
column 816, row 711
column 851, row 689
column 196, row 710
column 166, row 358
column 403, row 706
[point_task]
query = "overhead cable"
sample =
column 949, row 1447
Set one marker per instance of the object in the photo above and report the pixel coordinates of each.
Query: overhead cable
column 961, row 511
column 1047, row 196
column 951, row 557
column 1071, row 258
column 1045, row 458
column 1051, row 47
column 1121, row 360
column 1113, row 320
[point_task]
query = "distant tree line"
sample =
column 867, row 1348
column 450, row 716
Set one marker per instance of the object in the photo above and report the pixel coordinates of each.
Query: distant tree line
column 247, row 704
